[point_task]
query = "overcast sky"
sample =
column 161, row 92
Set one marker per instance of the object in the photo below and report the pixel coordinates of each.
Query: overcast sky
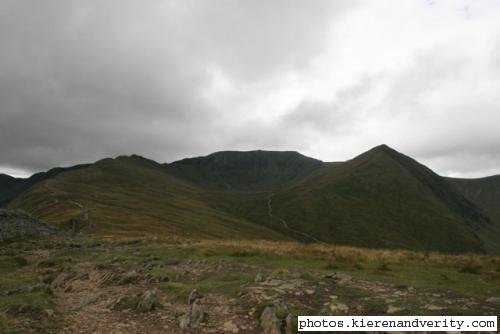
column 84, row 80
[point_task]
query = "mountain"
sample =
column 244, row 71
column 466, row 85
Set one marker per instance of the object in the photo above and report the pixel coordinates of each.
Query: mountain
column 485, row 194
column 243, row 171
column 133, row 196
column 379, row 199
column 383, row 199
column 11, row 187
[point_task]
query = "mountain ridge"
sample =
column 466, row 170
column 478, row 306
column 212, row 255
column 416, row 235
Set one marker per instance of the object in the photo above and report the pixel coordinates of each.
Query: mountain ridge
column 379, row 199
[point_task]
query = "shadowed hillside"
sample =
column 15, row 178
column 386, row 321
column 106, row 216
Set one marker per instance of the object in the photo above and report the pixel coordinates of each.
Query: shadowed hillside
column 254, row 170
column 11, row 187
column 382, row 199
column 485, row 193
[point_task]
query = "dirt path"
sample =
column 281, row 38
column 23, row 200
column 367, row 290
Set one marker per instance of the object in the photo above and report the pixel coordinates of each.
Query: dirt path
column 285, row 224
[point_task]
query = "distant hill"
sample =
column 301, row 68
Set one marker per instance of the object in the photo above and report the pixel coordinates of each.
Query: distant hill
column 253, row 170
column 11, row 187
column 379, row 199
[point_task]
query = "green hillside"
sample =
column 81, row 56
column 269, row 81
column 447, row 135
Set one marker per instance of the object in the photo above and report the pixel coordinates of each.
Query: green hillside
column 485, row 193
column 11, row 187
column 382, row 199
column 132, row 196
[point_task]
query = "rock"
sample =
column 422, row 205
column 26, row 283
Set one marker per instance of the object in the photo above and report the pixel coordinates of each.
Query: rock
column 269, row 322
column 289, row 320
column 258, row 278
column 339, row 308
column 148, row 301
column 125, row 303
column 15, row 223
column 49, row 312
column 394, row 309
column 195, row 316
column 431, row 307
column 493, row 300
column 230, row 326
column 196, row 313
column 130, row 277
column 193, row 296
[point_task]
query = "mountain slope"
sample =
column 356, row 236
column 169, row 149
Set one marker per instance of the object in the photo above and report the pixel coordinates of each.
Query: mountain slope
column 382, row 199
column 11, row 187
column 132, row 196
column 484, row 193
column 253, row 170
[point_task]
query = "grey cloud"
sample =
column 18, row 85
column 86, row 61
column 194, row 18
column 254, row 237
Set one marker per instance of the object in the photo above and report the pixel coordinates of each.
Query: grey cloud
column 82, row 80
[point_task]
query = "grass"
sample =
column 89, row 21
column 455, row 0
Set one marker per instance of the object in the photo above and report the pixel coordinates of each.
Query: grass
column 224, row 283
column 227, row 267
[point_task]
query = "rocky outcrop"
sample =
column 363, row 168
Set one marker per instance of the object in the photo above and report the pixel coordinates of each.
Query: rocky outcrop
column 14, row 223
column 195, row 314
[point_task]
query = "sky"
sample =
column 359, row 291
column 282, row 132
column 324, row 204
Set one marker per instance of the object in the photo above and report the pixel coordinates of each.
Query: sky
column 166, row 79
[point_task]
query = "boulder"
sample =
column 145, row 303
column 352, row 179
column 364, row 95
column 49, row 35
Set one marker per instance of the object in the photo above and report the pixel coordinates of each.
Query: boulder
column 15, row 223
column 270, row 322
column 128, row 278
column 148, row 301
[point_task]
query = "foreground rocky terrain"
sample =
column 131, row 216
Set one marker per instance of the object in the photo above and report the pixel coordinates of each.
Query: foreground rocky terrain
column 95, row 285
column 15, row 223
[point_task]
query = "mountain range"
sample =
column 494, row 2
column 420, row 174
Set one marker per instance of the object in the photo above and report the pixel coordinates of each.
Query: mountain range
column 379, row 199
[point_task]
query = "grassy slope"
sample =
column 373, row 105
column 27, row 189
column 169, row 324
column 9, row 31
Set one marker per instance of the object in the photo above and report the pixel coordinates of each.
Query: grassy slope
column 133, row 196
column 11, row 187
column 380, row 200
column 485, row 193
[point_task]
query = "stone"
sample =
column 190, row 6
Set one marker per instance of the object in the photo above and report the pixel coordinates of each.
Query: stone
column 269, row 322
column 130, row 277
column 289, row 324
column 230, row 327
column 49, row 312
column 431, row 307
column 15, row 223
column 493, row 300
column 193, row 296
column 394, row 309
column 197, row 314
column 339, row 308
column 148, row 301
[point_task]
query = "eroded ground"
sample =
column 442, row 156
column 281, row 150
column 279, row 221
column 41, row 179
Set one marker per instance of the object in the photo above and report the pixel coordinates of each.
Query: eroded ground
column 88, row 285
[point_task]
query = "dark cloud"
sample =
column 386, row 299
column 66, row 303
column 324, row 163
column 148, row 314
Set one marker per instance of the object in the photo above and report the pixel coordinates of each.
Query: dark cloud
column 82, row 80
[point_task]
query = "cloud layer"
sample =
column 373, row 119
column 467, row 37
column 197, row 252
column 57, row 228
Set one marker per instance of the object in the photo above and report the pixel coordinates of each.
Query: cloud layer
column 81, row 80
